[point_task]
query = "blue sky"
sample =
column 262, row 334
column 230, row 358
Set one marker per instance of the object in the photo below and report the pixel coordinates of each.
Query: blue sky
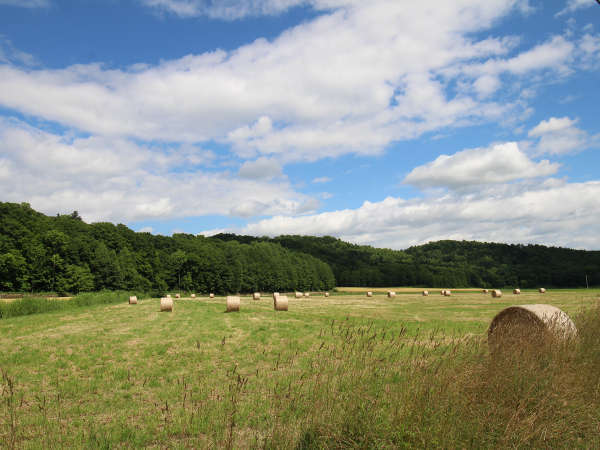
column 386, row 122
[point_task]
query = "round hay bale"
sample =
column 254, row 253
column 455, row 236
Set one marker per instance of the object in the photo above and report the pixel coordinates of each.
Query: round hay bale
column 177, row 295
column 425, row 293
column 233, row 303
column 168, row 295
column 280, row 303
column 166, row 304
column 275, row 294
column 307, row 294
column 485, row 291
column 517, row 291
column 326, row 294
column 443, row 292
column 391, row 294
column 133, row 300
column 211, row 295
column 298, row 294
column 369, row 294
column 542, row 290
column 447, row 293
column 256, row 296
column 496, row 293
column 193, row 295
column 523, row 325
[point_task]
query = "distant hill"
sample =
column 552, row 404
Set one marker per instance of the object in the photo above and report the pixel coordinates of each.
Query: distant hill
column 64, row 254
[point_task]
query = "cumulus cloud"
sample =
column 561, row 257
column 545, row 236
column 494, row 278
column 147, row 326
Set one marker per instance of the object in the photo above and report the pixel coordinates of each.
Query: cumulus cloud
column 352, row 80
column 552, row 213
column 224, row 9
column 260, row 169
column 119, row 180
column 496, row 164
column 559, row 136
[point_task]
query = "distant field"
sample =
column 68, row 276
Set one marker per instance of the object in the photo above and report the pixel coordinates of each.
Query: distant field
column 402, row 289
column 311, row 377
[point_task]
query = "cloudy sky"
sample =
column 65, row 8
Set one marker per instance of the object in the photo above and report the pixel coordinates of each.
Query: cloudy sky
column 382, row 122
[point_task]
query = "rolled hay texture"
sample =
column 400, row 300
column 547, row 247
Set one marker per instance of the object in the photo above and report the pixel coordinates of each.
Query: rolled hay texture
column 326, row 294
column 307, row 294
column 496, row 293
column 177, row 295
column 211, row 295
column 275, row 294
column 542, row 290
column 298, row 294
column 523, row 325
column 280, row 303
column 193, row 295
column 133, row 300
column 447, row 293
column 425, row 293
column 516, row 291
column 391, row 294
column 485, row 291
column 369, row 294
column 233, row 303
column 166, row 304
column 256, row 296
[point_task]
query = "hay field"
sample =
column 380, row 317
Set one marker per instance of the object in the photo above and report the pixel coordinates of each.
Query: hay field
column 345, row 371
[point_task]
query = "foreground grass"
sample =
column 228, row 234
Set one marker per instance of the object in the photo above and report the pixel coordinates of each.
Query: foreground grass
column 340, row 372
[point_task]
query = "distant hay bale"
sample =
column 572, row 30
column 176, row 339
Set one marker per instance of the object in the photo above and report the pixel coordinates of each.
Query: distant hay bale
column 256, row 296
column 298, row 294
column 280, row 303
column 522, row 325
column 369, row 294
column 447, row 293
column 496, row 293
column 275, row 294
column 233, row 303
column 443, row 292
column 307, row 294
column 485, row 291
column 211, row 295
column 168, row 295
column 193, row 296
column 326, row 294
column 391, row 294
column 166, row 304
column 542, row 290
column 177, row 295
column 517, row 291
column 133, row 300
column 425, row 293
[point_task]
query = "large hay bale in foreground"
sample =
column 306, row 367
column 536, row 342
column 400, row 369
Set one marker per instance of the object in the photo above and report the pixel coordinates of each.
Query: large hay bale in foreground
column 524, row 325
column 369, row 294
column 133, row 300
column 496, row 293
column 166, row 304
column 425, row 293
column 256, row 296
column 517, row 291
column 542, row 290
column 280, row 303
column 391, row 294
column 298, row 294
column 233, row 303
column 211, row 295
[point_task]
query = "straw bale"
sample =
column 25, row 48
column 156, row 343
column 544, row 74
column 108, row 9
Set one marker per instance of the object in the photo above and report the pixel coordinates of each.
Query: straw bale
column 516, row 291
column 177, row 295
column 256, row 296
column 496, row 293
column 233, row 303
column 391, row 294
column 166, row 304
column 485, row 291
column 275, row 294
column 168, row 295
column 307, row 294
column 542, row 290
column 529, row 325
column 133, row 300
column 193, row 295
column 326, row 294
column 425, row 293
column 443, row 292
column 369, row 294
column 298, row 294
column 280, row 303
column 211, row 295
column 447, row 293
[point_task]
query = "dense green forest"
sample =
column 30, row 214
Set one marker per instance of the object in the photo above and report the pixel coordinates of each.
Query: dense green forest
column 66, row 255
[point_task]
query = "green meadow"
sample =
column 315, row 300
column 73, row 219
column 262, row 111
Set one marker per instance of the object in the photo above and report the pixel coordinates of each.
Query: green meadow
column 345, row 371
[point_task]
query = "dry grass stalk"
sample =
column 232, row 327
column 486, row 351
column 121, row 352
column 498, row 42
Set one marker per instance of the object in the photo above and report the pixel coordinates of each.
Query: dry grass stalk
column 233, row 303
column 280, row 303
column 166, row 304
column 256, row 296
column 425, row 293
column 133, row 300
column 516, row 291
column 369, row 294
column 496, row 293
column 542, row 290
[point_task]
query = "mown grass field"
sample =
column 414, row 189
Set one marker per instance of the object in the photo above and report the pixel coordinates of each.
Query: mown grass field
column 343, row 371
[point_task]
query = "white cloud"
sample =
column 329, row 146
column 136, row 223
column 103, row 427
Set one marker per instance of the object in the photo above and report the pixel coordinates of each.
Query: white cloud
column 10, row 54
column 260, row 169
column 481, row 166
column 118, row 180
column 361, row 75
column 552, row 213
column 146, row 230
column 26, row 3
column 559, row 136
column 223, row 9
column 321, row 180
column 574, row 5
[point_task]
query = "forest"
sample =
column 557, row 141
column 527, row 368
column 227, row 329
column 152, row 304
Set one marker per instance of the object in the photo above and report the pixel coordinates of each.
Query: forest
column 63, row 254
